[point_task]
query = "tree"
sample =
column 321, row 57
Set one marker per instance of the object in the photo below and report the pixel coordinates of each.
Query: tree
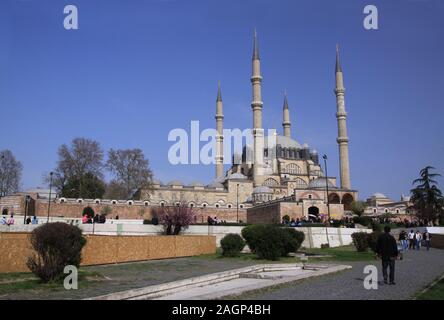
column 426, row 197
column 358, row 207
column 92, row 187
column 75, row 161
column 115, row 190
column 131, row 170
column 10, row 173
column 56, row 246
column 175, row 218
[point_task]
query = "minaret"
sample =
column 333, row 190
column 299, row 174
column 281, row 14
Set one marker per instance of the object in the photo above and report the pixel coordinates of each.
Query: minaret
column 286, row 124
column 219, row 137
column 256, row 105
column 341, row 115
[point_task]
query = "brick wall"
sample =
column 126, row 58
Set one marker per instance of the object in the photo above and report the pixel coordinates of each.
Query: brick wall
column 110, row 249
column 124, row 211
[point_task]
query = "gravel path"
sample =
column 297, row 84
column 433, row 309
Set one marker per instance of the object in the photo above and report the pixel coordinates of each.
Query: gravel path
column 413, row 273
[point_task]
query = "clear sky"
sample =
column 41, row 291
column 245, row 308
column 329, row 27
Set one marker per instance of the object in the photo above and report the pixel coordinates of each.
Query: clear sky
column 136, row 69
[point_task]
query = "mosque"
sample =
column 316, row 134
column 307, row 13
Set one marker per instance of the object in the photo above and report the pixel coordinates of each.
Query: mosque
column 284, row 178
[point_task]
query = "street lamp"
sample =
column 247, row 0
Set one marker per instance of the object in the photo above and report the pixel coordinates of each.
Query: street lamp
column 49, row 199
column 2, row 191
column 326, row 186
column 27, row 199
column 237, row 204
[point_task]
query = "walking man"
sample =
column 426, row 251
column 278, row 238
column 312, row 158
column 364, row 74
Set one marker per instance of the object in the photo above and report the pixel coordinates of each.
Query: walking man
column 427, row 239
column 411, row 239
column 387, row 249
column 418, row 239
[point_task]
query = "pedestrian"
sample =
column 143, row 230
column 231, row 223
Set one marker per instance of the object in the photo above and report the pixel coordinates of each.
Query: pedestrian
column 387, row 250
column 418, row 239
column 427, row 239
column 35, row 220
column 403, row 240
column 3, row 221
column 10, row 221
column 28, row 220
column 411, row 239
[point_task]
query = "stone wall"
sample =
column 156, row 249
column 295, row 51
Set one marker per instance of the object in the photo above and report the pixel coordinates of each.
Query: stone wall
column 125, row 211
column 274, row 211
column 110, row 249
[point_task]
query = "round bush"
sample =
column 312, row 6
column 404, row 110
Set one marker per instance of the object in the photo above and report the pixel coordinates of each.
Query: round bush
column 57, row 245
column 251, row 233
column 232, row 244
column 360, row 240
column 372, row 239
column 292, row 240
column 88, row 211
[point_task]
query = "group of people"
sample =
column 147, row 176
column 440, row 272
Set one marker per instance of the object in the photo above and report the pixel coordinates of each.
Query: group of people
column 413, row 240
column 215, row 221
column 98, row 218
column 10, row 221
column 387, row 249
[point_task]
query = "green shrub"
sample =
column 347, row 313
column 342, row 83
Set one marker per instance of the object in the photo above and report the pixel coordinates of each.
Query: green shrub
column 146, row 221
column 360, row 241
column 232, row 244
column 292, row 240
column 271, row 242
column 88, row 211
column 250, row 234
column 372, row 239
column 325, row 246
column 365, row 221
column 376, row 226
column 57, row 245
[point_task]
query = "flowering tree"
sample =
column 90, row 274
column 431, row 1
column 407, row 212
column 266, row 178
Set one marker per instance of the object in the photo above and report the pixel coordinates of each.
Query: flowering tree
column 175, row 218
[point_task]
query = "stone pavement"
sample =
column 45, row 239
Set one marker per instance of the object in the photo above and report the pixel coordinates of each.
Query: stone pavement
column 413, row 273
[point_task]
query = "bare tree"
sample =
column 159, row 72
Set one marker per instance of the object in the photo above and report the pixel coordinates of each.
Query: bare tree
column 83, row 156
column 131, row 170
column 10, row 173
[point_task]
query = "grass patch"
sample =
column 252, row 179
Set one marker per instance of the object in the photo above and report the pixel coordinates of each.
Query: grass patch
column 435, row 292
column 244, row 257
column 25, row 281
column 344, row 253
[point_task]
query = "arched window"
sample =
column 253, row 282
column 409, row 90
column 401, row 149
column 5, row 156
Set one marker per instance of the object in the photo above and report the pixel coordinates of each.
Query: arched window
column 270, row 182
column 293, row 168
column 300, row 183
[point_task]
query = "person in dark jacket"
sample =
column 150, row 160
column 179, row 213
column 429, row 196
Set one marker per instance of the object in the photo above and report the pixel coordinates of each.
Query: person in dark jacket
column 387, row 250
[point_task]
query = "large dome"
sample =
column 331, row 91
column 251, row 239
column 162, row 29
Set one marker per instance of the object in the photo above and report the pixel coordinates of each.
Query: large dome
column 285, row 142
column 175, row 183
column 262, row 189
column 236, row 175
column 320, row 183
column 378, row 195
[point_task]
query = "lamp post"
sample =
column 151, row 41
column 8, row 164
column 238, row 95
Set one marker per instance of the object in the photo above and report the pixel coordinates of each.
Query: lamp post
column 27, row 199
column 49, row 199
column 237, row 204
column 2, row 191
column 326, row 186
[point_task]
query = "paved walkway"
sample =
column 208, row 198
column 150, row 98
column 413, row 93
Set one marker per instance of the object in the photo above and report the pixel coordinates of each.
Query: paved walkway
column 413, row 273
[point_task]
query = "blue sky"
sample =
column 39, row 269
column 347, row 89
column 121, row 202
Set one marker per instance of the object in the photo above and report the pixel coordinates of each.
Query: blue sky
column 137, row 69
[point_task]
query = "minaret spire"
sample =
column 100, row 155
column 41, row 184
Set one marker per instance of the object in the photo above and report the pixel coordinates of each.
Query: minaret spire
column 255, row 47
column 341, row 116
column 256, row 106
column 338, row 62
column 219, row 159
column 286, row 124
